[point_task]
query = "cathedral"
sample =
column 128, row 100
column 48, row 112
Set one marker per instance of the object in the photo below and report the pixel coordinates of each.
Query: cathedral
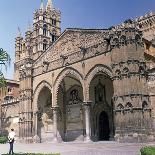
column 83, row 84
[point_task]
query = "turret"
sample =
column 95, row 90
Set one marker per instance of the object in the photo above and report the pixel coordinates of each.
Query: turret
column 49, row 5
column 18, row 53
column 28, row 35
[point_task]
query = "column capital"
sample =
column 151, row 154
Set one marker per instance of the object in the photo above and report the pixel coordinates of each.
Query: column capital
column 87, row 103
column 55, row 108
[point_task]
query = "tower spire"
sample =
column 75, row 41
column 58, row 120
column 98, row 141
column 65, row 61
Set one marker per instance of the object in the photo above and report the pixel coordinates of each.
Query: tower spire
column 49, row 4
column 19, row 32
column 42, row 5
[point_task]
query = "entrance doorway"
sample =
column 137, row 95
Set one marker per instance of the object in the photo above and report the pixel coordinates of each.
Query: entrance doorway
column 104, row 130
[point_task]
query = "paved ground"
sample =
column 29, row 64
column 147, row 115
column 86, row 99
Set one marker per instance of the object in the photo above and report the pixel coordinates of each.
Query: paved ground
column 97, row 148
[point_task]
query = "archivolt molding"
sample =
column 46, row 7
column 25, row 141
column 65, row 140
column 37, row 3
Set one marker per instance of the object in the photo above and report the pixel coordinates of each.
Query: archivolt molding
column 98, row 69
column 40, row 86
column 66, row 72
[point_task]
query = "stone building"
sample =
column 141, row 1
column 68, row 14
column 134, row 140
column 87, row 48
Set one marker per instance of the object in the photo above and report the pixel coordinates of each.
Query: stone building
column 8, row 105
column 85, row 84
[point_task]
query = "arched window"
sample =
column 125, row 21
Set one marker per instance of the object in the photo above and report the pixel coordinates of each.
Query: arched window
column 44, row 45
column 37, row 29
column 44, row 17
column 45, row 30
column 53, row 37
column 53, row 21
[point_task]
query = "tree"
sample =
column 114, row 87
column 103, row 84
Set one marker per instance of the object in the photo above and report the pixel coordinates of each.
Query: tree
column 4, row 61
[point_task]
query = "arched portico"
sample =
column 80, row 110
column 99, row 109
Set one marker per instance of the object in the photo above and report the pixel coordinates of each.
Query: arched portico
column 69, row 98
column 99, row 90
column 43, row 115
column 36, row 92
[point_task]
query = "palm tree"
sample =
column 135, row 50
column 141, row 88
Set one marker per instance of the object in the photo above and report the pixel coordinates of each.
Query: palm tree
column 4, row 61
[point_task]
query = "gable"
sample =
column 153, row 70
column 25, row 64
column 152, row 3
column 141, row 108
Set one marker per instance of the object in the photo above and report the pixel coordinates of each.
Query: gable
column 71, row 41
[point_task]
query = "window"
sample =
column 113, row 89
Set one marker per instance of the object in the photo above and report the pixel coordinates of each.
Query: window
column 37, row 29
column 44, row 45
column 54, row 22
column 53, row 38
column 9, row 90
column 45, row 30
column 43, row 17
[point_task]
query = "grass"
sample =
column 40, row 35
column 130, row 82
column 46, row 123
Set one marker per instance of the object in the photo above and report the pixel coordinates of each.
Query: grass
column 33, row 154
column 149, row 150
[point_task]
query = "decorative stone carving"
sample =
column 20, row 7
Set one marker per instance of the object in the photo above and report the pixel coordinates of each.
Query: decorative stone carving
column 71, row 41
column 62, row 75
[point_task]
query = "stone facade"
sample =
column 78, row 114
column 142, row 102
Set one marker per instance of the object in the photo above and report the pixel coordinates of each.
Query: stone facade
column 86, row 84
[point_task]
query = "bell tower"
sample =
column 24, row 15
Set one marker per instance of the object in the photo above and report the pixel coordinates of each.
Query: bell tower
column 46, row 28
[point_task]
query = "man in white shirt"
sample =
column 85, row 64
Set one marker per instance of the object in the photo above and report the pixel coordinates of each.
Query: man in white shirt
column 11, row 139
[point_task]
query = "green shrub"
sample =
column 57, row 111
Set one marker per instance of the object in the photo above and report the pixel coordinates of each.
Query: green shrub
column 147, row 150
column 3, row 139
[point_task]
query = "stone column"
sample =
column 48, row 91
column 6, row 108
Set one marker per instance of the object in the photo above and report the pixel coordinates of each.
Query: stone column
column 36, row 138
column 87, row 120
column 55, row 123
column 36, row 123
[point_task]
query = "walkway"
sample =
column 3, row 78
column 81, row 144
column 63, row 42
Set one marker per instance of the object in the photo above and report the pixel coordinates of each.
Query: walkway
column 97, row 148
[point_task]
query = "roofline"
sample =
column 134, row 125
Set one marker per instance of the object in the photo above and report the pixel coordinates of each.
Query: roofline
column 12, row 81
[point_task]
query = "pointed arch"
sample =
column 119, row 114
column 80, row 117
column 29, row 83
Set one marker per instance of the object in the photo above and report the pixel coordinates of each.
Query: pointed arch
column 97, row 69
column 38, row 89
column 64, row 73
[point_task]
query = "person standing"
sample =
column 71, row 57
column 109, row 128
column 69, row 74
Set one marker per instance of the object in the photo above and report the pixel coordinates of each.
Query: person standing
column 11, row 138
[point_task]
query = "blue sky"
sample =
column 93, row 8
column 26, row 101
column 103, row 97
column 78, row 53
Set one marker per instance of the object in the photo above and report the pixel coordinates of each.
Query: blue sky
column 75, row 13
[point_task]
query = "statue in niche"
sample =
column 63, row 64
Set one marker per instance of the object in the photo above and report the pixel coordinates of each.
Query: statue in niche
column 44, row 118
column 46, row 121
column 74, row 97
column 100, row 95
